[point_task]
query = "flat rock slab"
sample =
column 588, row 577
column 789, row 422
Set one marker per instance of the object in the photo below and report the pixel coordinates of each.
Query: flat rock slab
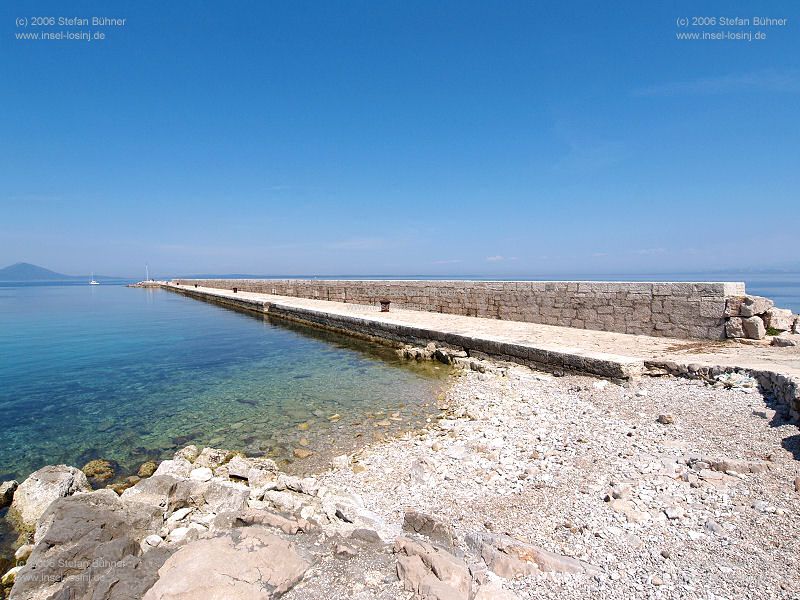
column 248, row 564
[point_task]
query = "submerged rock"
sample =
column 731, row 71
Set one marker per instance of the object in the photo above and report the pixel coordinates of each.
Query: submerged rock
column 147, row 469
column 121, row 486
column 98, row 470
column 10, row 576
column 41, row 488
column 302, row 453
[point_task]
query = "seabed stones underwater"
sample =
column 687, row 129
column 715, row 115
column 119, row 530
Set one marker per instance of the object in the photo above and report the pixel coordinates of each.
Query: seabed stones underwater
column 131, row 375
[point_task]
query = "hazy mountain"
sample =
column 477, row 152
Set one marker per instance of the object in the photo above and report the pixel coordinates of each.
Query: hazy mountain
column 28, row 272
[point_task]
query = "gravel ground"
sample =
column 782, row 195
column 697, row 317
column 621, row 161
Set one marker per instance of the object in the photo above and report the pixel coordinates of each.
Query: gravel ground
column 671, row 487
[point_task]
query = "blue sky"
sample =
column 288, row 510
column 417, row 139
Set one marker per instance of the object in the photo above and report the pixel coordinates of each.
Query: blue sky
column 513, row 138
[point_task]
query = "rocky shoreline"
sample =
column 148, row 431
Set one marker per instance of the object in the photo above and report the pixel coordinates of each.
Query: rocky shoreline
column 531, row 485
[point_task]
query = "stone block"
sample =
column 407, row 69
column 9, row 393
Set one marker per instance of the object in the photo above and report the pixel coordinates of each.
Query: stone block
column 755, row 305
column 734, row 328
column 754, row 328
column 781, row 319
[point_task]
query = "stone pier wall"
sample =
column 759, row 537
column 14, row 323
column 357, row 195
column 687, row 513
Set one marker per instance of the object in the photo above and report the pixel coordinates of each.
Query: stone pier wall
column 683, row 310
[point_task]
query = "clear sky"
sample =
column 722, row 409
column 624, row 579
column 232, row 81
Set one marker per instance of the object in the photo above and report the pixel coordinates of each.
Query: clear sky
column 399, row 137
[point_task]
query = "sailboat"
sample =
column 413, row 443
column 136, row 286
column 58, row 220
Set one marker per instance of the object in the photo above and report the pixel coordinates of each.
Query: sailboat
column 93, row 282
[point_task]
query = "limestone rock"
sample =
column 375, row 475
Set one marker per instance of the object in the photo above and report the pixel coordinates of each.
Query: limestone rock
column 249, row 563
column 303, row 485
column 302, row 453
column 239, row 467
column 177, row 467
column 271, row 519
column 262, row 472
column 780, row 319
column 155, row 491
column 98, row 470
column 626, row 508
column 201, row 474
column 23, row 552
column 340, row 462
column 431, row 572
column 348, row 514
column 510, row 558
column 9, row 577
column 754, row 328
column 733, row 328
column 755, row 305
column 42, row 487
column 438, row 531
column 189, row 453
column 153, row 540
column 492, row 591
column 213, row 458
column 785, row 341
column 147, row 469
column 733, row 306
column 7, row 489
column 796, row 326
column 121, row 486
column 85, row 547
column 739, row 466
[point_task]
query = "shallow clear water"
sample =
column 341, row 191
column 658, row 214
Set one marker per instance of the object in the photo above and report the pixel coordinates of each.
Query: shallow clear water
column 130, row 375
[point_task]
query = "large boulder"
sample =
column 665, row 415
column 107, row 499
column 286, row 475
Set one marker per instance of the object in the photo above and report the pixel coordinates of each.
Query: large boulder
column 88, row 546
column 754, row 328
column 168, row 493
column 780, row 319
column 41, row 488
column 249, row 563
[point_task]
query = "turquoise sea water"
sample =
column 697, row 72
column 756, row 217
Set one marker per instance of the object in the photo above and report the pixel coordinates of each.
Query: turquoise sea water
column 130, row 375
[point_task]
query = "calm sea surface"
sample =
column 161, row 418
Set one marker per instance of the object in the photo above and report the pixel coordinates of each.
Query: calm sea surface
column 130, row 375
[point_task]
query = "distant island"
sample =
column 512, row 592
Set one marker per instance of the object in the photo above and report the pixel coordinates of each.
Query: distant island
column 27, row 272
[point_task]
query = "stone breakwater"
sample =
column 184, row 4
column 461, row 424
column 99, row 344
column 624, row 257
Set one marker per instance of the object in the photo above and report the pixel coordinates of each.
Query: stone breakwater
column 548, row 356
column 668, row 309
column 528, row 486
column 559, row 350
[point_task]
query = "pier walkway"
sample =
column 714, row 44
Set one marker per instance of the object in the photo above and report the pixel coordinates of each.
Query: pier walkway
column 601, row 353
